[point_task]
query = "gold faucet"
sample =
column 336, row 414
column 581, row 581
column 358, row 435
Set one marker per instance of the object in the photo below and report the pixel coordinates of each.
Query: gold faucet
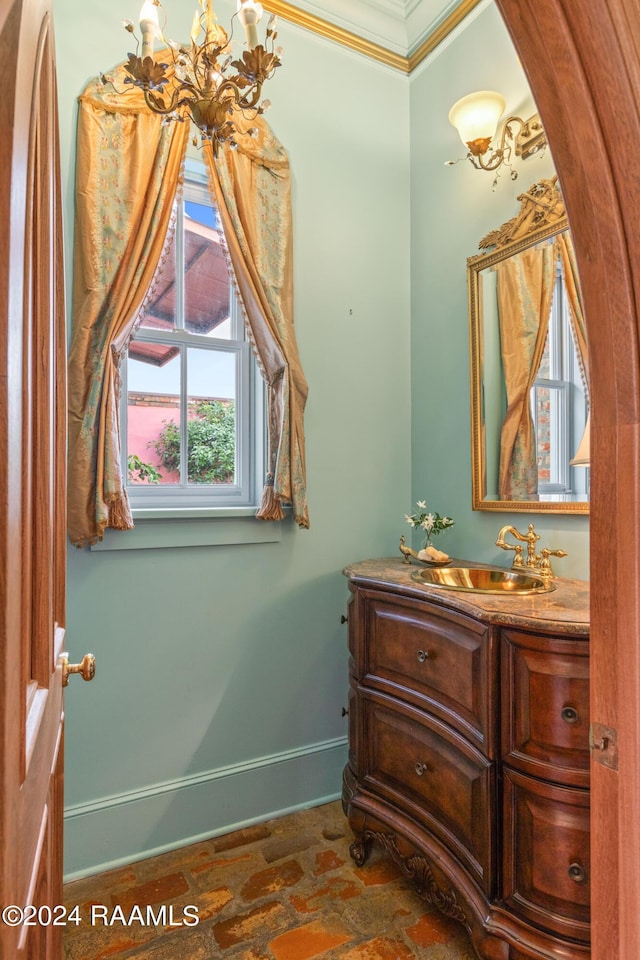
column 539, row 562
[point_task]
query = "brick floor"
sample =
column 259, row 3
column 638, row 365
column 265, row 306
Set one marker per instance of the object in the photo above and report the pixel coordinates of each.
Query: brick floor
column 283, row 890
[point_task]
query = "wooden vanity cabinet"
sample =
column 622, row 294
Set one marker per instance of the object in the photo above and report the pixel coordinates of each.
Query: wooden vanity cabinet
column 545, row 752
column 469, row 764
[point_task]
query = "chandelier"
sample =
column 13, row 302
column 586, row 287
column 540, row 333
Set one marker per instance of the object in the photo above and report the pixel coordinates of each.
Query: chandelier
column 202, row 81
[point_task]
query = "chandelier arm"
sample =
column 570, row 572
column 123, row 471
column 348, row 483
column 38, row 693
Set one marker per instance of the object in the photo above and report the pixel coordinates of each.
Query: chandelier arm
column 502, row 153
column 157, row 106
column 239, row 98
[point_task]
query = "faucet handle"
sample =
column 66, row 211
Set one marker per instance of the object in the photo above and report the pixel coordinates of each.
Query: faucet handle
column 545, row 564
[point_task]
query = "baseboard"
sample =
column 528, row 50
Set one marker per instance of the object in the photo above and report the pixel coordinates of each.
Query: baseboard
column 116, row 830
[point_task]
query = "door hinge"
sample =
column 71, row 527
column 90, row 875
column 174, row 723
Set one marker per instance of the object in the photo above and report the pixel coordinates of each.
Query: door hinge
column 603, row 744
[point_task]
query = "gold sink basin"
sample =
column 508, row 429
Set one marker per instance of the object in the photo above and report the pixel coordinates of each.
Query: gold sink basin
column 481, row 580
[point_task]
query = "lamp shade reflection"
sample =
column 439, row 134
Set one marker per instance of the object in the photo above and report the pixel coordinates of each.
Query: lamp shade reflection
column 475, row 117
column 583, row 453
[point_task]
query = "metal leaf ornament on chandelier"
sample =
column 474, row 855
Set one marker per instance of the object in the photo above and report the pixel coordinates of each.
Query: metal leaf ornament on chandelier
column 202, row 81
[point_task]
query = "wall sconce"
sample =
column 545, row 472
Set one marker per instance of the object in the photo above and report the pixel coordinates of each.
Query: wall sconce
column 583, row 453
column 476, row 117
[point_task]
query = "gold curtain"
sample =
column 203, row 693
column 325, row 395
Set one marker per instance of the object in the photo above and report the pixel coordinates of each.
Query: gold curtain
column 525, row 292
column 252, row 188
column 127, row 174
column 572, row 286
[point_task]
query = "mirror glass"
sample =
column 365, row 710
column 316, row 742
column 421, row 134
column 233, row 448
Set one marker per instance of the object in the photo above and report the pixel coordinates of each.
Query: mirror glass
column 529, row 364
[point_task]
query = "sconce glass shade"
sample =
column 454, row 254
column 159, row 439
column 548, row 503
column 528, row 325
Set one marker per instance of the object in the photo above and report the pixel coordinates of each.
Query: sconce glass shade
column 583, row 453
column 475, row 117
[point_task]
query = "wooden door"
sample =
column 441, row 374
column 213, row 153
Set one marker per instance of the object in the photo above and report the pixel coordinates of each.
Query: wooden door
column 32, row 485
column 583, row 64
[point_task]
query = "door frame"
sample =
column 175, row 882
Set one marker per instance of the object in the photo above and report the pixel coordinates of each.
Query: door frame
column 32, row 483
column 583, row 65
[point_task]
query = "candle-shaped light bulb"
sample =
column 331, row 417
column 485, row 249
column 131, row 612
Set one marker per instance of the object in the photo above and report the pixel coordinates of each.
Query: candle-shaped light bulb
column 149, row 27
column 249, row 13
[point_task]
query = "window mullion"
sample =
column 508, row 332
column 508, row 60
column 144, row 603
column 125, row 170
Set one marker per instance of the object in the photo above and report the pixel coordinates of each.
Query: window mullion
column 180, row 266
column 183, row 416
column 124, row 419
column 180, row 326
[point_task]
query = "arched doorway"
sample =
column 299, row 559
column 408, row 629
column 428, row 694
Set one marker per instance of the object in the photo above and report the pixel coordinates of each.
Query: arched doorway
column 583, row 65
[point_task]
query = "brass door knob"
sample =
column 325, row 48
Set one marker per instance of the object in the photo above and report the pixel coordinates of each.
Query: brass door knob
column 86, row 668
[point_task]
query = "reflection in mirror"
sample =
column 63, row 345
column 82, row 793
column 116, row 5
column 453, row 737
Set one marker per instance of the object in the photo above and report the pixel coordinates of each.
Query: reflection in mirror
column 529, row 363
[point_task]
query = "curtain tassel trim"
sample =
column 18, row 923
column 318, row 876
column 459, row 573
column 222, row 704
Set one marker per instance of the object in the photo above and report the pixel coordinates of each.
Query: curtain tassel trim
column 120, row 515
column 270, row 508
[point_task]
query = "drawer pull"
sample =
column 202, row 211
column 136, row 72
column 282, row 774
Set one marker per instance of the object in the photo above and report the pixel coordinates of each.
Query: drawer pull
column 423, row 655
column 421, row 768
column 569, row 714
column 577, row 873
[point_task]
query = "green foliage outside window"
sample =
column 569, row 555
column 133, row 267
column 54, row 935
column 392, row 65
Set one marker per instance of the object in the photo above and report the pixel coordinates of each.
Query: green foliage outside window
column 211, row 443
column 141, row 472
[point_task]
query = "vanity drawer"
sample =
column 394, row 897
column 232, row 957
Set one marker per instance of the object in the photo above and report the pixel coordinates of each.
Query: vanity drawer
column 425, row 768
column 546, row 706
column 546, row 854
column 434, row 658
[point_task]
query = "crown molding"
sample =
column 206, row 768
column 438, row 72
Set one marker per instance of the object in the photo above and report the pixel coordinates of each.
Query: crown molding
column 379, row 29
column 331, row 31
column 436, row 34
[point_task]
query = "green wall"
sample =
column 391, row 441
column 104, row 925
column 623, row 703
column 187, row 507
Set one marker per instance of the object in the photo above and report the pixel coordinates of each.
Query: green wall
column 222, row 669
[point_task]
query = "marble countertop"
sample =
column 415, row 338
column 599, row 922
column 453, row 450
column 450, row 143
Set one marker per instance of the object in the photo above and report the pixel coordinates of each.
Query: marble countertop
column 562, row 610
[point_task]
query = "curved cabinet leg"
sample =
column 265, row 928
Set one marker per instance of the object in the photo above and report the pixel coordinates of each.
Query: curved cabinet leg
column 360, row 849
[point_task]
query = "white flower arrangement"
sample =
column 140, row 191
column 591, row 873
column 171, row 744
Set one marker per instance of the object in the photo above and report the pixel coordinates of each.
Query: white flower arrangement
column 432, row 523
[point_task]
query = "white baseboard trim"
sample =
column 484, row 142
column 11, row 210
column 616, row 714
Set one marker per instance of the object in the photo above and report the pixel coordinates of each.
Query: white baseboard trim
column 112, row 831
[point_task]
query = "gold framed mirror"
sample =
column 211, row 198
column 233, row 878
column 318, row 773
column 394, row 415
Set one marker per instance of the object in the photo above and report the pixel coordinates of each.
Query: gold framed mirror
column 529, row 364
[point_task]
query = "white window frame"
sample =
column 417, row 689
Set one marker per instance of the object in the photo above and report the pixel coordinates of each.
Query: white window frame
column 563, row 376
column 198, row 500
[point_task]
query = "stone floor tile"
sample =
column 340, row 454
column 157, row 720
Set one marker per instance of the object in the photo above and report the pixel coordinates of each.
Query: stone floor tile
column 308, row 908
column 210, row 902
column 311, row 940
column 287, row 846
column 103, row 943
column 251, row 954
column 222, row 863
column 382, row 948
column 230, row 871
column 159, row 890
column 242, row 927
column 333, row 833
column 334, row 890
column 272, row 880
column 455, row 950
column 377, row 872
column 174, row 860
column 191, row 945
column 90, row 889
column 383, row 910
column 242, row 837
column 327, row 860
column 434, row 928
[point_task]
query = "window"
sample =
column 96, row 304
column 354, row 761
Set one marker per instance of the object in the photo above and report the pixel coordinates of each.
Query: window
column 191, row 389
column 557, row 400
